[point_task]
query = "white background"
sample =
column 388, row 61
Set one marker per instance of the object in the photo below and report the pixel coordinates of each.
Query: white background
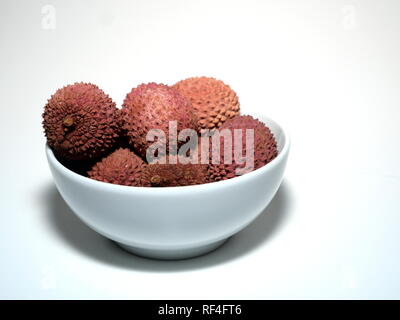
column 329, row 71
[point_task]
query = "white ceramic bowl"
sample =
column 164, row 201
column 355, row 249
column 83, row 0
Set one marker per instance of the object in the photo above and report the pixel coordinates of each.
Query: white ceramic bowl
column 172, row 222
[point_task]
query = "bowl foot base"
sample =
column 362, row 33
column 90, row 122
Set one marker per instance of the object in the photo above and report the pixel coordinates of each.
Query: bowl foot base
column 175, row 254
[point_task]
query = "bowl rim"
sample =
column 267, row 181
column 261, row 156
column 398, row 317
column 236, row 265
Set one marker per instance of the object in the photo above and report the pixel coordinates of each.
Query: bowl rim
column 166, row 190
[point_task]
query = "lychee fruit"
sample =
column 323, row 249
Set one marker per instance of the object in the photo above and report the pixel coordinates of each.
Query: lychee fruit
column 154, row 106
column 81, row 122
column 120, row 167
column 264, row 148
column 214, row 102
column 175, row 174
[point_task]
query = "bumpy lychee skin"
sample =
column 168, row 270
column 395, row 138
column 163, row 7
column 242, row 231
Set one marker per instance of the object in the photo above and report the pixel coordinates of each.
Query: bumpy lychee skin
column 81, row 122
column 120, row 167
column 264, row 149
column 213, row 100
column 173, row 175
column 153, row 106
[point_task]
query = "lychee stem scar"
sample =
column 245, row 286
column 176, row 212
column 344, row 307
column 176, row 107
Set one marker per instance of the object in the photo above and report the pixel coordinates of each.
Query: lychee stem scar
column 68, row 122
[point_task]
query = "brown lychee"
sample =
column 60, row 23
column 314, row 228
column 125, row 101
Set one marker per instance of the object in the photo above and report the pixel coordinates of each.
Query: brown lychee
column 214, row 101
column 120, row 167
column 81, row 122
column 154, row 106
column 264, row 148
column 175, row 174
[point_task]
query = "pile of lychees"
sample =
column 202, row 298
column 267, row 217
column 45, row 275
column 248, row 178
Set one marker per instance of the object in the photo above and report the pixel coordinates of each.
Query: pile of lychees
column 91, row 136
